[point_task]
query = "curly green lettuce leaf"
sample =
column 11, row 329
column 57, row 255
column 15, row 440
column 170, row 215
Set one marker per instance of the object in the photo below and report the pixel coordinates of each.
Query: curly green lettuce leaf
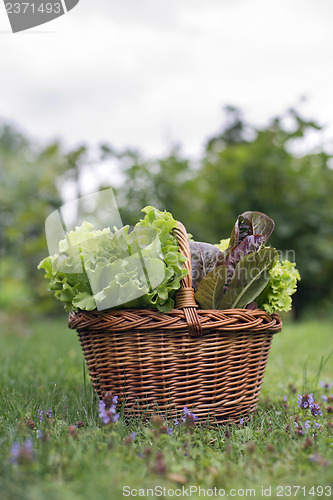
column 276, row 296
column 118, row 268
column 80, row 235
column 223, row 245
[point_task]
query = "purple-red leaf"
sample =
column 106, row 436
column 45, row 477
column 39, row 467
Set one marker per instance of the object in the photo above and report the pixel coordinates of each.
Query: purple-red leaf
column 205, row 257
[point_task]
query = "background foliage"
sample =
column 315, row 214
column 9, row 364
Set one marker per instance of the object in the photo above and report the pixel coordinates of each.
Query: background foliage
column 241, row 168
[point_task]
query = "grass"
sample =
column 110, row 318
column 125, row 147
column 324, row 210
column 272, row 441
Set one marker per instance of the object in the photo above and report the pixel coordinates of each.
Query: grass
column 42, row 367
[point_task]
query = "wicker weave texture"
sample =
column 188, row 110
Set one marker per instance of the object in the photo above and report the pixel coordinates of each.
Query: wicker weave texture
column 148, row 358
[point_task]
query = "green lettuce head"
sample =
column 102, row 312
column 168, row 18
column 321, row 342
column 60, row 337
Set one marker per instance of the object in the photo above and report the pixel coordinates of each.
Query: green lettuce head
column 118, row 268
column 276, row 297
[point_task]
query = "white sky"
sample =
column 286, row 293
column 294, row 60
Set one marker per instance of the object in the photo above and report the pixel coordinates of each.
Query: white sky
column 150, row 73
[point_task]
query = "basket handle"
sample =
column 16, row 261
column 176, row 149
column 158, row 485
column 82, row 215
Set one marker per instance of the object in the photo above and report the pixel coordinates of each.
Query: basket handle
column 185, row 295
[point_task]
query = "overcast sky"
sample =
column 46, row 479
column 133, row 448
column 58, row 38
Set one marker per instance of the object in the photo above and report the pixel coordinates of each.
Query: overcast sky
column 149, row 73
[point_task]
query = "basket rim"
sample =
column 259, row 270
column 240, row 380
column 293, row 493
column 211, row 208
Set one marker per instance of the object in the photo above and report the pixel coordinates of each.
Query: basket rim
column 139, row 320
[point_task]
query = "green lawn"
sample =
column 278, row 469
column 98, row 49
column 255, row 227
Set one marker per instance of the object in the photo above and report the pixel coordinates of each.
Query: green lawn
column 42, row 367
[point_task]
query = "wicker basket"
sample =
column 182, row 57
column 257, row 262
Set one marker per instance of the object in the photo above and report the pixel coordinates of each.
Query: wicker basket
column 211, row 361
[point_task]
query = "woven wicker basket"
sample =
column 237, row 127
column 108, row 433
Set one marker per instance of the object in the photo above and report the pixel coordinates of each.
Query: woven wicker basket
column 211, row 361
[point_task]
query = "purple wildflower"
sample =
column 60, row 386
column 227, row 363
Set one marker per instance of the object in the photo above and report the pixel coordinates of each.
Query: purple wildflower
column 305, row 401
column 326, row 386
column 107, row 409
column 15, row 452
column 104, row 415
column 284, row 398
column 170, row 430
column 307, row 425
column 42, row 414
column 133, row 435
column 324, row 398
column 315, row 410
column 176, row 421
column 298, row 429
column 241, row 421
column 22, row 454
column 189, row 415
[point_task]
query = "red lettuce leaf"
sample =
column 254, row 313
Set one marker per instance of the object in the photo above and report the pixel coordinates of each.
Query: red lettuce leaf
column 249, row 244
column 250, row 277
column 210, row 290
column 251, row 223
column 205, row 257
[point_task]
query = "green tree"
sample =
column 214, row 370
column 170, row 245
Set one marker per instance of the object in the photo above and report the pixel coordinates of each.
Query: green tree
column 30, row 177
column 166, row 183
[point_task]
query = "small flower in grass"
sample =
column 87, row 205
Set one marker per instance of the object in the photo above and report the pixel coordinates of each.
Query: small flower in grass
column 320, row 460
column 315, row 410
column 31, row 423
column 22, row 455
column 298, row 429
column 44, row 414
column 188, row 417
column 129, row 439
column 307, row 425
column 160, row 465
column 107, row 409
column 305, row 401
column 326, row 386
column 327, row 399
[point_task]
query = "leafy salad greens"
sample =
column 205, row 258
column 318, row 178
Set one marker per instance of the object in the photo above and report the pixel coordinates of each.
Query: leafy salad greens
column 143, row 268
column 242, row 272
column 119, row 268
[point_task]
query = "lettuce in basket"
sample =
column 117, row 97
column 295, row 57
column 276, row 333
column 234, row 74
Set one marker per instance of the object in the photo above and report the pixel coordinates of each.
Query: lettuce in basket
column 242, row 271
column 118, row 268
column 276, row 296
